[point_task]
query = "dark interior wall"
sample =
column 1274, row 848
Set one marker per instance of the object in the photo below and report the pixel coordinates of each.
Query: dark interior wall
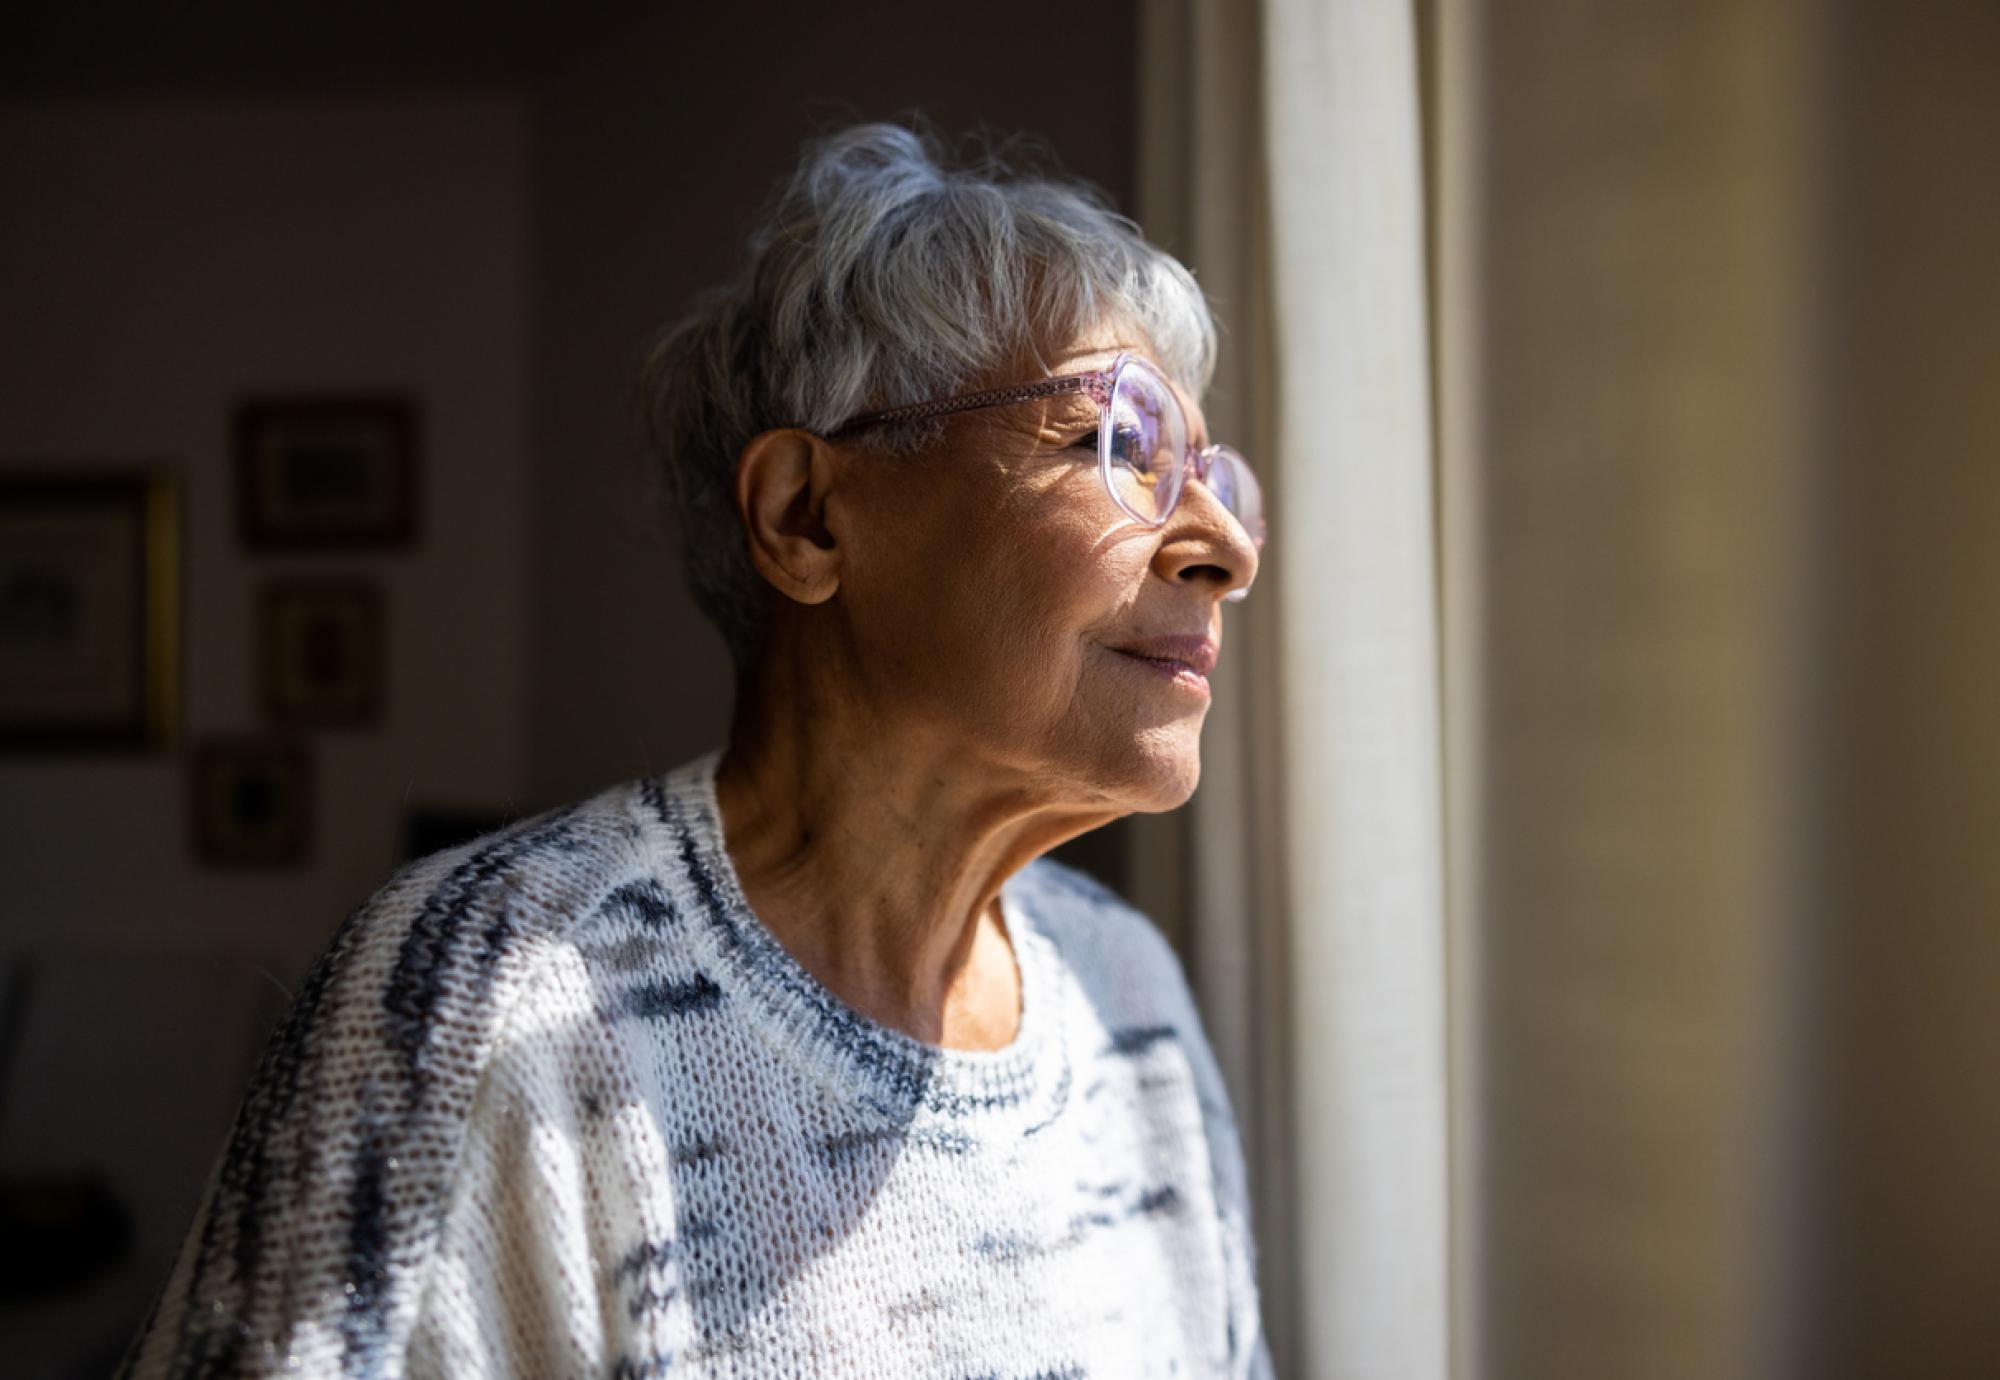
column 652, row 150
column 226, row 203
column 160, row 257
column 495, row 218
column 164, row 256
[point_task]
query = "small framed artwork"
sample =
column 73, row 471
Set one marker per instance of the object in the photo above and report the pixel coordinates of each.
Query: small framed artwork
column 329, row 473
column 251, row 800
column 90, row 567
column 322, row 647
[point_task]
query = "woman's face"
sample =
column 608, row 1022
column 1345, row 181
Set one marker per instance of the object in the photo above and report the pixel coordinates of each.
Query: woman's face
column 988, row 586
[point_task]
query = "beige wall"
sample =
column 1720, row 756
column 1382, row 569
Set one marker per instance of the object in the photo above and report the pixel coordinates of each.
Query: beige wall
column 1907, row 1031
column 1723, row 329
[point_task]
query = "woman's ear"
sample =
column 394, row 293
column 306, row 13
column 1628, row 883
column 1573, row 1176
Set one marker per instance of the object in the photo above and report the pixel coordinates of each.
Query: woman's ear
column 783, row 479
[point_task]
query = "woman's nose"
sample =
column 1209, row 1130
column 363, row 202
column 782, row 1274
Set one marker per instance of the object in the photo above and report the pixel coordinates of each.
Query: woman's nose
column 1205, row 541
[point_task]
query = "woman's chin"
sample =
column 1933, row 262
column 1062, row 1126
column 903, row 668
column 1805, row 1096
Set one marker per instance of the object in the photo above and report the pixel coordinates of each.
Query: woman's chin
column 1165, row 768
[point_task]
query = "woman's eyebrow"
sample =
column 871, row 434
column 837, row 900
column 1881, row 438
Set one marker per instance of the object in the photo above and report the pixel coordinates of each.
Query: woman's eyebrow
column 1072, row 413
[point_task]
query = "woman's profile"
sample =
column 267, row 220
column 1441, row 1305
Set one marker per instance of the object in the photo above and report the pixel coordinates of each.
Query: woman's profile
column 801, row 1058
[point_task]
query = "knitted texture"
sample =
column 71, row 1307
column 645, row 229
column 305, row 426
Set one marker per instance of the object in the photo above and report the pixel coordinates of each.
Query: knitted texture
column 557, row 1103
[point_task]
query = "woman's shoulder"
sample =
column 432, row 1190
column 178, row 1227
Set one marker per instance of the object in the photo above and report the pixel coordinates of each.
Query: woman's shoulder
column 1113, row 948
column 402, row 1012
column 418, row 980
column 1075, row 900
column 469, row 911
column 324, row 1202
column 1138, row 987
column 1128, row 969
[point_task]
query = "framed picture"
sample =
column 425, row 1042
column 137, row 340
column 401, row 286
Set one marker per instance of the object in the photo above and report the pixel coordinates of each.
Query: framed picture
column 331, row 473
column 90, row 581
column 251, row 800
column 322, row 648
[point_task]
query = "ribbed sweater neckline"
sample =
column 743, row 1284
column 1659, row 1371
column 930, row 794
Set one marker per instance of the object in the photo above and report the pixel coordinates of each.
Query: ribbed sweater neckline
column 883, row 1071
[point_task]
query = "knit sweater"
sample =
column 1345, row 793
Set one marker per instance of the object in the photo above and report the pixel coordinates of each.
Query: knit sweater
column 556, row 1102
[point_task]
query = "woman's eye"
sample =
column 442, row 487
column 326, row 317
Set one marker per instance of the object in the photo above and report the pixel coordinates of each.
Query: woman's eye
column 1087, row 441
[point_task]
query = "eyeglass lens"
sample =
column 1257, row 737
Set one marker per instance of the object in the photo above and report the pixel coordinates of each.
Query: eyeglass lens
column 1148, row 439
column 1148, row 447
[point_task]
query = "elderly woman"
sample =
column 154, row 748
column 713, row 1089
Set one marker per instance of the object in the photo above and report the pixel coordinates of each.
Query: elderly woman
column 802, row 1059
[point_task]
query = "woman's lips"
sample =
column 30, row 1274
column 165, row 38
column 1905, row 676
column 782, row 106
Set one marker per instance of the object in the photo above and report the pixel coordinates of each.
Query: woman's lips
column 1177, row 673
column 1193, row 650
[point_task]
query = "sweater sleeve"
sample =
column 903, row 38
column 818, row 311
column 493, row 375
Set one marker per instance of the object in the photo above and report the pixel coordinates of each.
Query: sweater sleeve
column 509, row 1294
column 316, row 1230
column 527, row 1282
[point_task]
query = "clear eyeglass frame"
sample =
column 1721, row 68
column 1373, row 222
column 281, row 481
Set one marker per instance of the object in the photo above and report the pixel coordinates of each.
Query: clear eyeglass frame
column 1133, row 391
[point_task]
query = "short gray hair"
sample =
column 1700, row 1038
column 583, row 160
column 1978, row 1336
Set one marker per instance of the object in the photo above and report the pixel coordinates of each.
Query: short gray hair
column 881, row 273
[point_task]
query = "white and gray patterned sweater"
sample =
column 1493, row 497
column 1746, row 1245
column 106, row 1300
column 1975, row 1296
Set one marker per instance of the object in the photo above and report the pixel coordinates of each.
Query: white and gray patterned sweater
column 556, row 1103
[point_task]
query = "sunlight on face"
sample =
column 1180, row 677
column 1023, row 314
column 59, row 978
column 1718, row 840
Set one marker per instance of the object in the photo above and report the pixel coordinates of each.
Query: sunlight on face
column 998, row 579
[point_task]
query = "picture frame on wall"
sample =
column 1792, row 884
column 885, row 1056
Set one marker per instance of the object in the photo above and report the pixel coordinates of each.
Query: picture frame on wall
column 251, row 800
column 90, row 608
column 322, row 650
column 328, row 473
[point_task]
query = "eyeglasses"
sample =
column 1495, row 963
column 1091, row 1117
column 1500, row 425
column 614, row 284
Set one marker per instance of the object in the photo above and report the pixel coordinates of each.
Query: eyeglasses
column 1143, row 453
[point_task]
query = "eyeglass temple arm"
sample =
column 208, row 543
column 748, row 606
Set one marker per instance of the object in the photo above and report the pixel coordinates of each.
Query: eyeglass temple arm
column 971, row 402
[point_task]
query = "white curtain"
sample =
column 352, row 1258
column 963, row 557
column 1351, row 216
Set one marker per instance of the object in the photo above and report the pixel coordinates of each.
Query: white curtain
column 1283, row 160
